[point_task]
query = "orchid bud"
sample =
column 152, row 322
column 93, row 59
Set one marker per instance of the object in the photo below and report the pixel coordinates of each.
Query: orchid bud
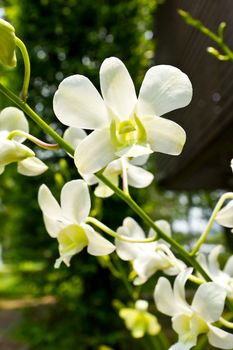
column 7, row 44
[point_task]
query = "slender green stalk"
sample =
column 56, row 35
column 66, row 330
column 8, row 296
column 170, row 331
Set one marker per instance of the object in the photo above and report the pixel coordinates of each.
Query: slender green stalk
column 217, row 38
column 155, row 342
column 210, row 223
column 33, row 139
column 27, row 68
column 36, row 118
column 112, row 233
column 124, row 176
column 133, row 205
column 124, row 277
column 226, row 323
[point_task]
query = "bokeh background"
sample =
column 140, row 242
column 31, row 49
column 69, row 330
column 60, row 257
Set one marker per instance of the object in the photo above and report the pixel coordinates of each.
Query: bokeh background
column 77, row 307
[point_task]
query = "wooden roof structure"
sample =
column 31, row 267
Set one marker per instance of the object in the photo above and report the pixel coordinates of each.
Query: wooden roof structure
column 208, row 120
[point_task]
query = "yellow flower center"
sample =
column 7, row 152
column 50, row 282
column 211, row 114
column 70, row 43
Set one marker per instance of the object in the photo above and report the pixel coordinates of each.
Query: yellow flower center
column 128, row 132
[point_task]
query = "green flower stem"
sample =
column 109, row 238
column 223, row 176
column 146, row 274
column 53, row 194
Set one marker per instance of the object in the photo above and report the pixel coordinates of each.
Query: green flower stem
column 112, row 233
column 226, row 323
column 133, row 205
column 36, row 118
column 154, row 342
column 124, row 176
column 204, row 235
column 124, row 277
column 27, row 68
column 196, row 280
column 33, row 139
column 218, row 39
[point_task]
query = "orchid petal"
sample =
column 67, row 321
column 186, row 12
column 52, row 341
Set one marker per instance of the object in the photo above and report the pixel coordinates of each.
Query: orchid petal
column 31, row 166
column 131, row 229
column 102, row 190
column 146, row 264
column 129, row 251
column 225, row 215
column 181, row 325
column 209, row 301
column 97, row 245
column 164, row 135
column 228, row 268
column 213, row 260
column 74, row 136
column 48, row 204
column 164, row 298
column 138, row 177
column 179, row 284
column 53, row 225
column 164, row 226
column 13, row 151
column 186, row 345
column 117, row 88
column 72, row 239
column 219, row 338
column 12, row 118
column 134, row 151
column 75, row 200
column 164, row 89
column 141, row 160
column 77, row 103
column 94, row 152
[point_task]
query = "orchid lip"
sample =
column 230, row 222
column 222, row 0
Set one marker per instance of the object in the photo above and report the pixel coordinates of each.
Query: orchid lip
column 128, row 132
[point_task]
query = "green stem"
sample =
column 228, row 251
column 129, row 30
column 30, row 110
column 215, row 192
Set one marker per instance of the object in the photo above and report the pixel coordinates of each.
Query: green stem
column 226, row 323
column 219, row 41
column 155, row 342
column 124, row 277
column 133, row 205
column 112, row 233
column 124, row 176
column 204, row 235
column 27, row 68
column 36, row 118
column 33, row 139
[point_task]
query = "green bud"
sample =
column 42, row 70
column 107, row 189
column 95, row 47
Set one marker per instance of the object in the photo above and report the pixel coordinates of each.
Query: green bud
column 221, row 28
column 7, row 44
column 217, row 54
column 213, row 51
column 139, row 321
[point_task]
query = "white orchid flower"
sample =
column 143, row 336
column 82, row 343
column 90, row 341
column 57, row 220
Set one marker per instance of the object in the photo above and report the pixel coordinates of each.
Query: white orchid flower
column 223, row 277
column 189, row 321
column 225, row 216
column 147, row 258
column 139, row 321
column 123, row 125
column 66, row 222
column 11, row 151
column 136, row 176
